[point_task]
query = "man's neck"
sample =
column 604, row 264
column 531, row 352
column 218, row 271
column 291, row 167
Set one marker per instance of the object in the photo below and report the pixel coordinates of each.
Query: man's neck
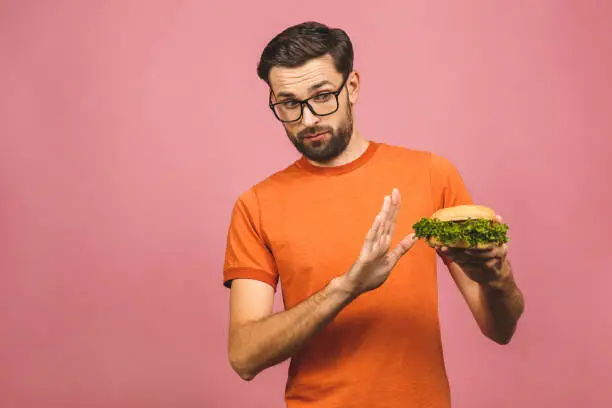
column 356, row 147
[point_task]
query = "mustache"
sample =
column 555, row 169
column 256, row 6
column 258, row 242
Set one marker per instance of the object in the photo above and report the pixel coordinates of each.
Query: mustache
column 313, row 131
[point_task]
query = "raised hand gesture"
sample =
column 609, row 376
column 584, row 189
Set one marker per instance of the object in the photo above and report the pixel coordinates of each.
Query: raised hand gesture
column 376, row 259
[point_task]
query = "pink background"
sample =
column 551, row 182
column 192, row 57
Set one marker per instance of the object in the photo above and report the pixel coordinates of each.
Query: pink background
column 129, row 128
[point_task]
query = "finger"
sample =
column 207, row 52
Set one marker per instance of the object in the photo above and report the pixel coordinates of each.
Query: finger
column 396, row 200
column 494, row 263
column 386, row 207
column 372, row 234
column 455, row 256
column 445, row 253
column 389, row 213
column 473, row 253
column 466, row 259
column 384, row 214
column 385, row 244
column 375, row 247
column 381, row 245
column 499, row 218
column 481, row 254
column 401, row 248
column 480, row 268
column 495, row 252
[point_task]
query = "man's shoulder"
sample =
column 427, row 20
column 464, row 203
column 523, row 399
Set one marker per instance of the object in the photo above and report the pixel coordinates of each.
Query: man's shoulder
column 421, row 157
column 272, row 184
column 408, row 155
column 401, row 149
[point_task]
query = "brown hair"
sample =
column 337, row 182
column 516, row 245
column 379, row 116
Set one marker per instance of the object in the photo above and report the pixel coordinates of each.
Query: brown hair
column 300, row 43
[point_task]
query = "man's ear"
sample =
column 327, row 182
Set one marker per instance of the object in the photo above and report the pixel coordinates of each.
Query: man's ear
column 353, row 86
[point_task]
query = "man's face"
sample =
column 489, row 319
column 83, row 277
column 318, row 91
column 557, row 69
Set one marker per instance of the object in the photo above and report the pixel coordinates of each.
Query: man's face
column 319, row 138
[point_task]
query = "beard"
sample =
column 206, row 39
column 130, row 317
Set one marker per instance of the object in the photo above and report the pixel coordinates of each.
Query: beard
column 322, row 151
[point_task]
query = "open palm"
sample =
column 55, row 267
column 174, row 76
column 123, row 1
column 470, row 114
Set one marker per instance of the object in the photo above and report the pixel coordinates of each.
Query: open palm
column 376, row 260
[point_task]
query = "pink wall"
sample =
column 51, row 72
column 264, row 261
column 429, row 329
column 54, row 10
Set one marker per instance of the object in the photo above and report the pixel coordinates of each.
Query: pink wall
column 128, row 129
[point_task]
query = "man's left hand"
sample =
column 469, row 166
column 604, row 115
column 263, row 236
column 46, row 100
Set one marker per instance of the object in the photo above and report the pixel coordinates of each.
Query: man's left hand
column 481, row 265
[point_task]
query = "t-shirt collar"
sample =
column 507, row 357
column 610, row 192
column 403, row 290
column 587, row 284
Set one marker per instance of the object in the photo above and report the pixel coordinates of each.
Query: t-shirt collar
column 304, row 164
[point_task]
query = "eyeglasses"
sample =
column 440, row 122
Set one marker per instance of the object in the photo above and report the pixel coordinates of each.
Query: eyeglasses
column 322, row 104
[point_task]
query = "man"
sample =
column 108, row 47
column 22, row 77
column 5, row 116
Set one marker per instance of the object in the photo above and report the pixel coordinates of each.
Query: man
column 360, row 323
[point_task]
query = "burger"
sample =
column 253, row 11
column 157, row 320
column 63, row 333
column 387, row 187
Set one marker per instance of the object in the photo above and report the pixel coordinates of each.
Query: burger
column 462, row 226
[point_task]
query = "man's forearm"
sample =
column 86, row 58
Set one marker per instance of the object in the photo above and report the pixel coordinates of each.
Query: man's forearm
column 505, row 304
column 258, row 345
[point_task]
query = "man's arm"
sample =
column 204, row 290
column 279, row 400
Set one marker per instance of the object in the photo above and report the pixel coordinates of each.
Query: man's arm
column 496, row 304
column 259, row 339
column 484, row 278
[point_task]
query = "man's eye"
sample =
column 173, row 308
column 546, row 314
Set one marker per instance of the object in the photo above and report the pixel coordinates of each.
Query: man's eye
column 290, row 104
column 322, row 97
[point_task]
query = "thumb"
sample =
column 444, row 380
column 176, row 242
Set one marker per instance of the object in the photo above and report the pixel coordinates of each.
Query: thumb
column 401, row 248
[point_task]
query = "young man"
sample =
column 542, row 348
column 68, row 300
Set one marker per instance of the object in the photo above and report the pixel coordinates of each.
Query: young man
column 360, row 322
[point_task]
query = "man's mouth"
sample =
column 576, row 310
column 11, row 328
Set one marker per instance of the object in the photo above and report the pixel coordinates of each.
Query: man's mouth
column 316, row 136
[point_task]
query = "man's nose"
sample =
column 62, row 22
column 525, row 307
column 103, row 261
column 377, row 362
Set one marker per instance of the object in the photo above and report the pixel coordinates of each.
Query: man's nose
column 309, row 118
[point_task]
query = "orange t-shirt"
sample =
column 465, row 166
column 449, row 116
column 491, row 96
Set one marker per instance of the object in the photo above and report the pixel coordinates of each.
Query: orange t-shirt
column 303, row 226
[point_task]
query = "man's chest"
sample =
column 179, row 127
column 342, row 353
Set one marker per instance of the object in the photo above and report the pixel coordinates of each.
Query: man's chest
column 318, row 233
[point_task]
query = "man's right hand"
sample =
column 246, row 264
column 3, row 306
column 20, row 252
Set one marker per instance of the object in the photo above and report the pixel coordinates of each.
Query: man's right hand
column 376, row 260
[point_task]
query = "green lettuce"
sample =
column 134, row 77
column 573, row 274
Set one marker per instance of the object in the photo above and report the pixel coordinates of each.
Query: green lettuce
column 472, row 231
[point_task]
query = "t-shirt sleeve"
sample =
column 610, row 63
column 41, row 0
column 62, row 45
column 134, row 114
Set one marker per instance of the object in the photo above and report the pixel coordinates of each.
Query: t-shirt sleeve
column 247, row 255
column 448, row 187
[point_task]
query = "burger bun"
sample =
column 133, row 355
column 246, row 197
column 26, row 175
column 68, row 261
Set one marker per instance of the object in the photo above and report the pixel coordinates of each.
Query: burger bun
column 464, row 212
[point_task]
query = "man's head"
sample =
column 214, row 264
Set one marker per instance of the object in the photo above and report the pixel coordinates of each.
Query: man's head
column 311, row 62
